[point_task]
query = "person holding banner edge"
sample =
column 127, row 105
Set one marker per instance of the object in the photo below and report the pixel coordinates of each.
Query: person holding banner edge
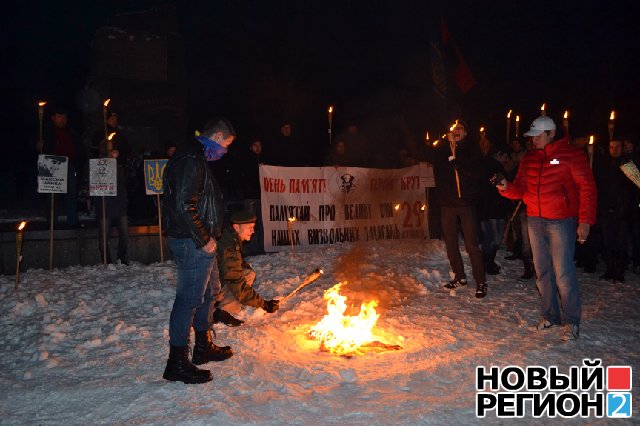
column 193, row 216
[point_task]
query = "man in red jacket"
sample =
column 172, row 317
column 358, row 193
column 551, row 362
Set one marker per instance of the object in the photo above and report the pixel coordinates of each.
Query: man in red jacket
column 555, row 182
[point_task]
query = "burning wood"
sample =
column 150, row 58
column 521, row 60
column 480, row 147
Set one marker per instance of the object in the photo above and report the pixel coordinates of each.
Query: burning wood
column 347, row 335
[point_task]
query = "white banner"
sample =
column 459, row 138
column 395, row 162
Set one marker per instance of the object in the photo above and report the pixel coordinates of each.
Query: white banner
column 52, row 174
column 103, row 177
column 333, row 205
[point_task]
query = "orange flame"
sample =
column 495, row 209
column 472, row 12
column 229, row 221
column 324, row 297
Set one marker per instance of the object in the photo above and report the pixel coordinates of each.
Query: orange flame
column 612, row 116
column 343, row 334
column 396, row 207
column 591, row 140
column 292, row 219
column 517, row 118
column 435, row 143
column 566, row 115
column 509, row 114
column 481, row 129
column 41, row 104
column 330, row 109
column 106, row 103
column 423, row 207
column 22, row 225
column 427, row 136
column 543, row 107
column 111, row 136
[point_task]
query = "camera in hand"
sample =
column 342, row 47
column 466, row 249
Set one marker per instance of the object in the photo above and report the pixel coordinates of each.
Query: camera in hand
column 496, row 179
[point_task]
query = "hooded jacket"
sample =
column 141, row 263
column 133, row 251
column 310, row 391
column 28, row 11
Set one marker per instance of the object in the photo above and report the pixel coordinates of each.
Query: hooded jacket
column 556, row 183
column 192, row 202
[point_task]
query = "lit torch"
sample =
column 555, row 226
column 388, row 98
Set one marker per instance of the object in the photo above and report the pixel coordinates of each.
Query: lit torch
column 290, row 222
column 508, row 125
column 105, row 105
column 483, row 132
column 317, row 273
column 565, row 121
column 109, row 144
column 41, row 105
column 612, row 124
column 543, row 109
column 517, row 127
column 19, row 238
column 590, row 150
column 426, row 138
column 330, row 115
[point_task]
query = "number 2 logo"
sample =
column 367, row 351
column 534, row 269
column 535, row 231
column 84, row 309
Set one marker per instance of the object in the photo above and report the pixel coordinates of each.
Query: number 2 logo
column 619, row 404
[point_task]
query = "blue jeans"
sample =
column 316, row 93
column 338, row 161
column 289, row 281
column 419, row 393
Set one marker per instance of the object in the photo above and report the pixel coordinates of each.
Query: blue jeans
column 195, row 291
column 553, row 246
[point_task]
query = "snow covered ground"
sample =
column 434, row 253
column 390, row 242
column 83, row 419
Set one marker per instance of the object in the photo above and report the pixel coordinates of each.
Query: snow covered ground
column 85, row 345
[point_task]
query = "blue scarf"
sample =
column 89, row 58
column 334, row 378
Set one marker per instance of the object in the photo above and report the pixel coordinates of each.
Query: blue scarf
column 212, row 150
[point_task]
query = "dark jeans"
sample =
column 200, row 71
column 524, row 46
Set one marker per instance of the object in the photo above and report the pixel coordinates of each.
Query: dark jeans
column 122, row 224
column 469, row 224
column 195, row 297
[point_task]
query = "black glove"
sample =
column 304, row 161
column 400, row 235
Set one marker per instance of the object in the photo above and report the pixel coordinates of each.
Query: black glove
column 271, row 305
column 496, row 179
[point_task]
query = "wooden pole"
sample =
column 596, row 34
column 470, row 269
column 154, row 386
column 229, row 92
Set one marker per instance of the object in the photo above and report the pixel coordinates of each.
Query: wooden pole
column 51, row 233
column 160, row 228
column 104, row 233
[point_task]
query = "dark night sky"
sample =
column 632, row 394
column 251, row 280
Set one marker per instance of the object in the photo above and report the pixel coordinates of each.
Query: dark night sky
column 261, row 61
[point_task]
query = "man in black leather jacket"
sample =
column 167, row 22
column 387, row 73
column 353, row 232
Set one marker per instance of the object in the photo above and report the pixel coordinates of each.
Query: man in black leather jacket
column 193, row 215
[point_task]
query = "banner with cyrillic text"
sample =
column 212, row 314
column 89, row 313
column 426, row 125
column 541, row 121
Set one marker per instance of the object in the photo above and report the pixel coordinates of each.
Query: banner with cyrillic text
column 52, row 174
column 305, row 206
column 103, row 177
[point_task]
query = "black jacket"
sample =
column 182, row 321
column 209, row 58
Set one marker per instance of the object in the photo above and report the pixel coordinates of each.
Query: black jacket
column 470, row 171
column 192, row 202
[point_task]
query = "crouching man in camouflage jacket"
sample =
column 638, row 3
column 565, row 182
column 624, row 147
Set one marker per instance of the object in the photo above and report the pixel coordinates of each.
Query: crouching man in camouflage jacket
column 236, row 274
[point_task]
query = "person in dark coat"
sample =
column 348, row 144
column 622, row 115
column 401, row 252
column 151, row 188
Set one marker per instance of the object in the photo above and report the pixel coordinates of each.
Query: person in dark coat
column 193, row 215
column 615, row 208
column 460, row 205
column 115, row 207
column 60, row 139
column 492, row 208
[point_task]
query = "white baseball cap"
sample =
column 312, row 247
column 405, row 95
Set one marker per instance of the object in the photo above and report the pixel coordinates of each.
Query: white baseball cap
column 541, row 124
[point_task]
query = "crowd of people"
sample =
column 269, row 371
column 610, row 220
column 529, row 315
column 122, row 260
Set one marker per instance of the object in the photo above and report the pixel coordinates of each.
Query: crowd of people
column 552, row 201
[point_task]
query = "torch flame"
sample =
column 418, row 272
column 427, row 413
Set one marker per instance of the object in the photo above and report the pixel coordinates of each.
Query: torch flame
column 481, row 129
column 111, row 136
column 543, row 107
column 330, row 109
column 423, row 207
column 566, row 115
column 612, row 116
column 435, row 143
column 396, row 207
column 509, row 114
column 591, row 140
column 22, row 225
column 517, row 118
column 41, row 104
column 343, row 334
column 106, row 103
column 427, row 137
column 292, row 219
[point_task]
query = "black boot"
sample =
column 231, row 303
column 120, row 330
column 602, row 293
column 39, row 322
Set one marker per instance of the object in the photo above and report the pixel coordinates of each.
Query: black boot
column 205, row 351
column 220, row 315
column 180, row 369
column 619, row 264
column 529, row 272
column 490, row 265
column 608, row 275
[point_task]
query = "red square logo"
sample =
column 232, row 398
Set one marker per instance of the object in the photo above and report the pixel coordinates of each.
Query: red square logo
column 618, row 378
